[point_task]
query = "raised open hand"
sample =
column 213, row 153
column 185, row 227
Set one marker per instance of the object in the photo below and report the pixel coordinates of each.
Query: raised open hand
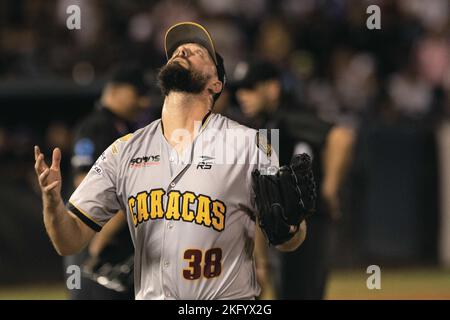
column 49, row 177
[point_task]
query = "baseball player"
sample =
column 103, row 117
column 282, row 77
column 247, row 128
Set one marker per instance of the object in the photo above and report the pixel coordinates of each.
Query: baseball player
column 192, row 195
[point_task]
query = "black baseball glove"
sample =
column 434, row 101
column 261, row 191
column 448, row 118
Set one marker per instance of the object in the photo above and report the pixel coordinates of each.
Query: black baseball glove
column 284, row 199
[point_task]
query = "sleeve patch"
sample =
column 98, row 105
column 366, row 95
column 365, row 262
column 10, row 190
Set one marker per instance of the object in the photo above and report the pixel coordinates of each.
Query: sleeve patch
column 126, row 137
column 97, row 169
column 114, row 149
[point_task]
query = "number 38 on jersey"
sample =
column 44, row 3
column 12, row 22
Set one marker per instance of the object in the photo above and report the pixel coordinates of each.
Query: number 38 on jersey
column 207, row 264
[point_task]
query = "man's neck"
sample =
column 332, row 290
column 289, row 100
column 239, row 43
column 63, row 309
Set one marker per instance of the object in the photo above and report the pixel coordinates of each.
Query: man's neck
column 181, row 117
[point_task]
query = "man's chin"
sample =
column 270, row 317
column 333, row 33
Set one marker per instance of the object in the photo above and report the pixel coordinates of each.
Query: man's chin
column 176, row 77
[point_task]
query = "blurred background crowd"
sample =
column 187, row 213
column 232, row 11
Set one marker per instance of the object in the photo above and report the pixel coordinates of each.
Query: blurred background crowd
column 391, row 86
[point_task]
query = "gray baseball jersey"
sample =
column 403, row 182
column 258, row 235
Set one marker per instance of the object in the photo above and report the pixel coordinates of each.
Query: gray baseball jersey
column 191, row 216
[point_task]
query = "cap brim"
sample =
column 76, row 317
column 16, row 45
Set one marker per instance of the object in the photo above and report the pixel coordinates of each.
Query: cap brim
column 188, row 32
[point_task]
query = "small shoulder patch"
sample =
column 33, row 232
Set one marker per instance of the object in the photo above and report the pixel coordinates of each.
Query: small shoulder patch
column 116, row 144
column 263, row 144
column 126, row 137
column 114, row 149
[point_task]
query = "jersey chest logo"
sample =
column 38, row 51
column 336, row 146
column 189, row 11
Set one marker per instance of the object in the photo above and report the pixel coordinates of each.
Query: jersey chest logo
column 144, row 161
column 146, row 206
column 205, row 163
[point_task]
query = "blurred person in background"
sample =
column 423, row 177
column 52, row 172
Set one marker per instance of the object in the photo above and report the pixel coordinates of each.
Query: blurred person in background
column 227, row 106
column 302, row 273
column 274, row 42
column 123, row 100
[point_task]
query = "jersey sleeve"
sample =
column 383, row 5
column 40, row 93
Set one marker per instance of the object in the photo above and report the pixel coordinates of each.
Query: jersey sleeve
column 95, row 201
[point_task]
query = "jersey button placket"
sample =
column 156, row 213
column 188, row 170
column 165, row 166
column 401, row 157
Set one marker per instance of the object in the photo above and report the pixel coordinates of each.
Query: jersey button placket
column 173, row 158
column 166, row 273
column 165, row 267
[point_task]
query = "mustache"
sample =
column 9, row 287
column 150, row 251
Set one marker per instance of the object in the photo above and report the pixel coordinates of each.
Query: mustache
column 180, row 57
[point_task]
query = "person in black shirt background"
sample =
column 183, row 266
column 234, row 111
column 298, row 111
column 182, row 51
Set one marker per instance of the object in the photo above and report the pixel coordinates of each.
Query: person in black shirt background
column 259, row 92
column 124, row 99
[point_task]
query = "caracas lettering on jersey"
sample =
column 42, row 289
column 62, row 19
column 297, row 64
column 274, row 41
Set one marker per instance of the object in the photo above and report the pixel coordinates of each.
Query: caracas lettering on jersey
column 149, row 205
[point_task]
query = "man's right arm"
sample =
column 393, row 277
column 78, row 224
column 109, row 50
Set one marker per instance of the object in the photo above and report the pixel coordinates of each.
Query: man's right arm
column 68, row 234
column 101, row 239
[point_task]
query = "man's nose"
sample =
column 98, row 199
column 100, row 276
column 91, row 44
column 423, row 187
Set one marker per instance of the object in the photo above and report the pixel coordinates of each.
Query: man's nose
column 183, row 52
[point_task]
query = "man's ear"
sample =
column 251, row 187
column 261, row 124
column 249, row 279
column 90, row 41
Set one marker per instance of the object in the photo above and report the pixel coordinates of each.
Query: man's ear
column 216, row 86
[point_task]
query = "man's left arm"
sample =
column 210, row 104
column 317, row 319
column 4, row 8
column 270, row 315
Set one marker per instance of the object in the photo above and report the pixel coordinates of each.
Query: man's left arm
column 284, row 200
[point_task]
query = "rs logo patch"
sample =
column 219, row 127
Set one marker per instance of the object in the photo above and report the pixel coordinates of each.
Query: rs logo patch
column 205, row 163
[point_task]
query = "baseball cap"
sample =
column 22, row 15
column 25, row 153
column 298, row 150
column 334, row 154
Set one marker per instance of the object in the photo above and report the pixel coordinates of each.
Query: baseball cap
column 191, row 32
column 249, row 74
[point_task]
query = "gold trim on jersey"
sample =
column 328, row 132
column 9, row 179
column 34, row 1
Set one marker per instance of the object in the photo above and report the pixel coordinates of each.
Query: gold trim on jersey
column 126, row 137
column 85, row 214
column 206, row 120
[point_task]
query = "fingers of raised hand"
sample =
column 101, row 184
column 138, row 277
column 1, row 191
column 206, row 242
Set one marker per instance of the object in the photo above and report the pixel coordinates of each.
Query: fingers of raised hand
column 56, row 159
column 40, row 164
column 37, row 152
column 43, row 177
column 51, row 186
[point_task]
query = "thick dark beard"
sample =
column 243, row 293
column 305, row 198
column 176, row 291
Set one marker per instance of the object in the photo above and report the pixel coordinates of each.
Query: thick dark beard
column 174, row 77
